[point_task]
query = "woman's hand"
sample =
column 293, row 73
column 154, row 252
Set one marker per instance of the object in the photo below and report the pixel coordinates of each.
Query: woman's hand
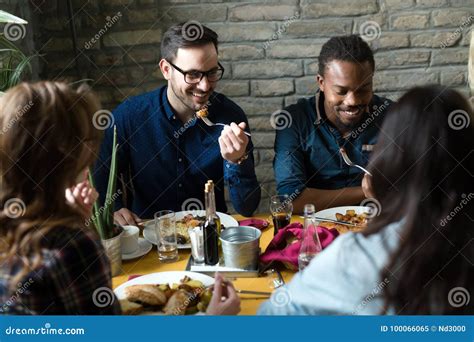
column 367, row 186
column 225, row 300
column 82, row 197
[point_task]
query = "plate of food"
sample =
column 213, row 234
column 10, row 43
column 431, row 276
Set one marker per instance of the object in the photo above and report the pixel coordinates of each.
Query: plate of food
column 166, row 293
column 357, row 216
column 184, row 221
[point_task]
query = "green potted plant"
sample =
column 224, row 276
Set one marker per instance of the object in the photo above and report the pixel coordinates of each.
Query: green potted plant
column 13, row 62
column 103, row 217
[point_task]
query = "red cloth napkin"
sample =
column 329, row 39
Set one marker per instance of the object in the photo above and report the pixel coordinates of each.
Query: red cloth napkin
column 254, row 222
column 286, row 244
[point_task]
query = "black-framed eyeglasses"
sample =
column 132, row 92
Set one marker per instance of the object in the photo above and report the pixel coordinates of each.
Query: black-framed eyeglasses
column 195, row 76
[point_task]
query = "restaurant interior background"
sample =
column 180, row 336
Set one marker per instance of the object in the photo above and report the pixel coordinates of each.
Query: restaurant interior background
column 268, row 48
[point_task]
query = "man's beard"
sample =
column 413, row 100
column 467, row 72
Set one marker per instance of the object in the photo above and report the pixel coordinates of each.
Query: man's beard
column 182, row 99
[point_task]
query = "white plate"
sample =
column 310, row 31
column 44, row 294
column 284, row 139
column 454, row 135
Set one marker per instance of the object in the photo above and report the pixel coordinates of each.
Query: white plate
column 331, row 212
column 149, row 226
column 144, row 247
column 163, row 278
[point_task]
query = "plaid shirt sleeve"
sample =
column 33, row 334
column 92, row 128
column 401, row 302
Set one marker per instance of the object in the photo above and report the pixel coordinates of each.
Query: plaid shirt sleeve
column 82, row 277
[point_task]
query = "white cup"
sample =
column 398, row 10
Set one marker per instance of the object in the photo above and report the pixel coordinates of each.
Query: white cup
column 129, row 239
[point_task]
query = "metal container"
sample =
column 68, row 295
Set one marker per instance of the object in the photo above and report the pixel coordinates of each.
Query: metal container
column 241, row 247
column 113, row 249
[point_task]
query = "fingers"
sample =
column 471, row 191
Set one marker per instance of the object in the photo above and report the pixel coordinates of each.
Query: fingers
column 119, row 219
column 367, row 186
column 231, row 142
column 136, row 218
column 69, row 197
column 218, row 287
column 125, row 217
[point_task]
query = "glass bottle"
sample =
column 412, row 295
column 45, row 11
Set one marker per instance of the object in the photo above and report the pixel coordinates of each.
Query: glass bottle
column 211, row 227
column 310, row 244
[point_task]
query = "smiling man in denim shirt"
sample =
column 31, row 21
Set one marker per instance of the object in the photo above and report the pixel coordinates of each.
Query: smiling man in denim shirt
column 344, row 113
column 167, row 155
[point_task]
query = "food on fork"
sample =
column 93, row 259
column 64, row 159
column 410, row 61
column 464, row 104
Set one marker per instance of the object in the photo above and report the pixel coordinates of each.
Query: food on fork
column 202, row 113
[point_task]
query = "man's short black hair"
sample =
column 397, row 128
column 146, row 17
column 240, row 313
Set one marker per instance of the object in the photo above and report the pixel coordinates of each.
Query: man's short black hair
column 345, row 48
column 184, row 35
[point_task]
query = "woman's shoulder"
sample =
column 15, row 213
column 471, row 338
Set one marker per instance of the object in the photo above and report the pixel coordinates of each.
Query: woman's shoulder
column 339, row 278
column 67, row 240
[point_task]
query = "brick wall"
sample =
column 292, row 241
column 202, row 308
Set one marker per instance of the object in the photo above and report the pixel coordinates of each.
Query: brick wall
column 269, row 48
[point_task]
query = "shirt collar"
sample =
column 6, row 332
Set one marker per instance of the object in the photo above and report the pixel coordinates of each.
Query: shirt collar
column 166, row 104
column 317, row 105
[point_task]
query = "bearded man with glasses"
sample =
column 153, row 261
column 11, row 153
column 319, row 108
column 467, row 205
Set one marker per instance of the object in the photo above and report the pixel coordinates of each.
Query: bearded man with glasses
column 165, row 153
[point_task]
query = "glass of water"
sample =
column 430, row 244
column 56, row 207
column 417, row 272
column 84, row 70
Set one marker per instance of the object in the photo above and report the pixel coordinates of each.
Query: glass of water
column 166, row 237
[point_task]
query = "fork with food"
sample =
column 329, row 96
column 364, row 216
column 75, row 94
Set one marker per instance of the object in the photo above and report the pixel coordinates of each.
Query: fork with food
column 203, row 115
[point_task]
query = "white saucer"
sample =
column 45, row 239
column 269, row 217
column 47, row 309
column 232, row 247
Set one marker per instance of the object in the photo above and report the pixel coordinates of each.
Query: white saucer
column 143, row 248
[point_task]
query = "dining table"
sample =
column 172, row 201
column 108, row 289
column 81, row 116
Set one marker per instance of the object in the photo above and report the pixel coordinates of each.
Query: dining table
column 250, row 303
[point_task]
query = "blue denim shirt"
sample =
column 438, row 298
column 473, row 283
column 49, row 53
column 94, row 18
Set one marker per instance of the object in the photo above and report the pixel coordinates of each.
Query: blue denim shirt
column 307, row 151
column 166, row 163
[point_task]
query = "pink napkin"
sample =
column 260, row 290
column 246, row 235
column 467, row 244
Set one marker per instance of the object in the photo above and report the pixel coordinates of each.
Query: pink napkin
column 254, row 222
column 286, row 244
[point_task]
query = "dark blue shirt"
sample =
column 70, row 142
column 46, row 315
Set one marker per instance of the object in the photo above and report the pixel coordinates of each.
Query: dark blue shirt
column 307, row 152
column 166, row 163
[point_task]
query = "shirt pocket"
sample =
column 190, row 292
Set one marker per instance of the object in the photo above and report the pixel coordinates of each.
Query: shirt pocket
column 367, row 151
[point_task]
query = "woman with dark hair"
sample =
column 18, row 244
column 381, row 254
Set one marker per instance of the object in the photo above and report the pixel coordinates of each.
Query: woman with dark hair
column 50, row 262
column 417, row 255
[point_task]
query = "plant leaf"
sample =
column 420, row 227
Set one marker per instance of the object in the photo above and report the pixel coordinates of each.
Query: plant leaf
column 108, row 215
column 6, row 17
column 96, row 217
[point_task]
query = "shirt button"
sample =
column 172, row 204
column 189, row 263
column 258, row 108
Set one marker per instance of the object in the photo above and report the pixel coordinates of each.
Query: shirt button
column 180, row 185
column 174, row 117
column 180, row 160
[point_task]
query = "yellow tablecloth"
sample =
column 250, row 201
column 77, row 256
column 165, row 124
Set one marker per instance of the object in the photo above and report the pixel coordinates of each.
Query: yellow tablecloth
column 149, row 263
